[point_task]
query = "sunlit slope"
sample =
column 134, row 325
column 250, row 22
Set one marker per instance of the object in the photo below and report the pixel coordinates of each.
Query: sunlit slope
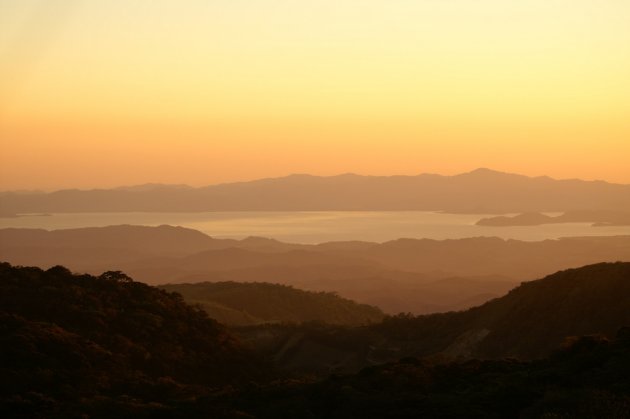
column 250, row 303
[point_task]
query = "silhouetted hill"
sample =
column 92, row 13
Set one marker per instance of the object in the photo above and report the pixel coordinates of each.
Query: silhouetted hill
column 490, row 255
column 242, row 304
column 82, row 340
column 480, row 191
column 94, row 249
column 151, row 187
column 164, row 240
column 532, row 319
column 584, row 301
column 390, row 290
column 527, row 323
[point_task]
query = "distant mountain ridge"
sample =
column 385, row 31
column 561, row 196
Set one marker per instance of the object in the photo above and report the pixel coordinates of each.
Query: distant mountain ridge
column 418, row 276
column 479, row 191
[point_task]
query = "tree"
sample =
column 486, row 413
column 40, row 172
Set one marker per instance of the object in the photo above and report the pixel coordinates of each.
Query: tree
column 117, row 276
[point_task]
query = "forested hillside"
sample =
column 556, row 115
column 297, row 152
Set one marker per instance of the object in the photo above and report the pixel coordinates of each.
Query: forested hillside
column 240, row 304
column 588, row 378
column 530, row 322
column 105, row 346
column 75, row 343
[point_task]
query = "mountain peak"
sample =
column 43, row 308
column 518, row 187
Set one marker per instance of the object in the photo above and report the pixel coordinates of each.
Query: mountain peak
column 484, row 171
column 152, row 187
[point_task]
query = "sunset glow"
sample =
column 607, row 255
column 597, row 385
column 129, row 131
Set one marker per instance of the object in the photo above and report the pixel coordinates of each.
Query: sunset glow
column 100, row 94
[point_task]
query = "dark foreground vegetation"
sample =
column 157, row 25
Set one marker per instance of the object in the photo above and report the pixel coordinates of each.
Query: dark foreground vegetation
column 589, row 378
column 78, row 343
column 86, row 346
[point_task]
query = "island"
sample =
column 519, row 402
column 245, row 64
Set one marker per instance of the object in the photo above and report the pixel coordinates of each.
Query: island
column 596, row 218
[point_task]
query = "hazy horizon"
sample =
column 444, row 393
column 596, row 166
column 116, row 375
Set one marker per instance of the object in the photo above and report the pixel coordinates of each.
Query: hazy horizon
column 316, row 227
column 287, row 175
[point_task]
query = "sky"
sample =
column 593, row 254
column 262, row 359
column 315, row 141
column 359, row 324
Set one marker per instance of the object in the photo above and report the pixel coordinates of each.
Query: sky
column 118, row 92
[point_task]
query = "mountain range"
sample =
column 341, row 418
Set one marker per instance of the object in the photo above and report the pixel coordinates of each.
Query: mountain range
column 479, row 191
column 405, row 275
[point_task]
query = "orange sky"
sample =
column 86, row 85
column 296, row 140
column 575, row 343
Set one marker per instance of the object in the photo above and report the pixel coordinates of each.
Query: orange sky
column 98, row 94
